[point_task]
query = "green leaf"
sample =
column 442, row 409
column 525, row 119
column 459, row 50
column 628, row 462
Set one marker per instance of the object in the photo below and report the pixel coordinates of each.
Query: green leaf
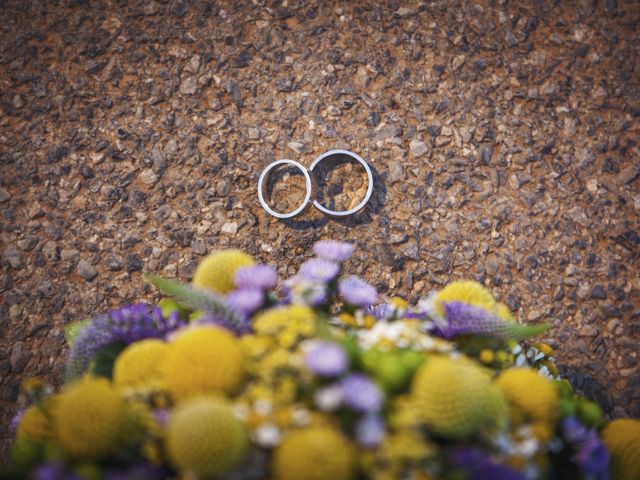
column 196, row 298
column 103, row 360
column 72, row 330
column 519, row 331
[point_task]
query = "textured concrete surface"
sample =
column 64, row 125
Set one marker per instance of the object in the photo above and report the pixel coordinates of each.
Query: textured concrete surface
column 504, row 138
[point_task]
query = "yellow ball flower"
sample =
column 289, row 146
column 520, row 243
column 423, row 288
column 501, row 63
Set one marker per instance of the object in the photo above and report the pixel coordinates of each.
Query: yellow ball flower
column 204, row 438
column 314, row 453
column 90, row 419
column 140, row 364
column 504, row 313
column 204, row 359
column 216, row 270
column 467, row 291
column 530, row 392
column 288, row 324
column 451, row 395
column 35, row 425
column 622, row 438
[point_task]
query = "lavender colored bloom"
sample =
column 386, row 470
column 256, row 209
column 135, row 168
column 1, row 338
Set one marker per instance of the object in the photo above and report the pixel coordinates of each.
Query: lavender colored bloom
column 462, row 319
column 479, row 466
column 245, row 300
column 15, row 420
column 333, row 250
column 319, row 270
column 263, row 277
column 383, row 311
column 298, row 290
column 370, row 430
column 124, row 325
column 591, row 455
column 357, row 292
column 360, row 393
column 53, row 471
column 327, row 359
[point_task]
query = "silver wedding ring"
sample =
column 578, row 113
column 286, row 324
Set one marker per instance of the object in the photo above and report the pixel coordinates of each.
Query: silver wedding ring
column 307, row 181
column 308, row 185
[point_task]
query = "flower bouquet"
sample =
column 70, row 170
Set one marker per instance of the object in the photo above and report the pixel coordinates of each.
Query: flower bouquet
column 241, row 376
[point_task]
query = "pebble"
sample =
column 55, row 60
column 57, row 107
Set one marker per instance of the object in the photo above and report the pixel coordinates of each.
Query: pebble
column 418, row 148
column 193, row 65
column 148, row 177
column 114, row 262
column 189, row 86
column 598, row 292
column 13, row 256
column 230, row 228
column 133, row 262
column 86, row 270
column 297, row 147
column 4, row 195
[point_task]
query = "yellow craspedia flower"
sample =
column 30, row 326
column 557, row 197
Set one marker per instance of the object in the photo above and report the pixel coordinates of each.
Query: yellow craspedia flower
column 530, row 392
column 504, row 313
column 204, row 359
column 34, row 425
column 90, row 418
column 451, row 395
column 287, row 324
column 204, row 438
column 314, row 453
column 467, row 291
column 216, row 270
column 140, row 364
column 622, row 438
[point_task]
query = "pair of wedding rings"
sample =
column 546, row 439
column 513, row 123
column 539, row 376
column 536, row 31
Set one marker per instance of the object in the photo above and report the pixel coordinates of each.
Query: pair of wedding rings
column 308, row 185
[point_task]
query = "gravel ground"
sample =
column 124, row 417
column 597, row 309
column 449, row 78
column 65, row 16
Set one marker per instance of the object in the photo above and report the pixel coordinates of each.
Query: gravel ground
column 503, row 135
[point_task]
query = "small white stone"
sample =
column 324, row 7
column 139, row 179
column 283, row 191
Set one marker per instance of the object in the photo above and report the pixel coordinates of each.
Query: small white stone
column 148, row 177
column 230, row 228
column 418, row 148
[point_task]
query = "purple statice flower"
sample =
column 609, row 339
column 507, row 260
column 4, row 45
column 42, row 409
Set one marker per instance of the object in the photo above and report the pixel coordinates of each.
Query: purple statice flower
column 123, row 325
column 591, row 455
column 333, row 250
column 464, row 319
column 15, row 420
column 478, row 465
column 263, row 277
column 383, row 311
column 360, row 393
column 53, row 471
column 357, row 292
column 245, row 301
column 327, row 359
column 319, row 270
column 370, row 430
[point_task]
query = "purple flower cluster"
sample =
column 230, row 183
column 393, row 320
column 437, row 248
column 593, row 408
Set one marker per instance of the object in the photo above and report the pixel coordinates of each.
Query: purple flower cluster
column 123, row 325
column 54, row 471
column 333, row 250
column 262, row 277
column 479, row 466
column 327, row 359
column 319, row 270
column 361, row 394
column 357, row 292
column 252, row 283
column 591, row 455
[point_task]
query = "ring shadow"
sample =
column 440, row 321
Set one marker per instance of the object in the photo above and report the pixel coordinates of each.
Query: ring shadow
column 319, row 179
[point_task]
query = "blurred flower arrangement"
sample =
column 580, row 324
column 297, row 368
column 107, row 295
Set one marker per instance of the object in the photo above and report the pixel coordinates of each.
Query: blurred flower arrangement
column 241, row 376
